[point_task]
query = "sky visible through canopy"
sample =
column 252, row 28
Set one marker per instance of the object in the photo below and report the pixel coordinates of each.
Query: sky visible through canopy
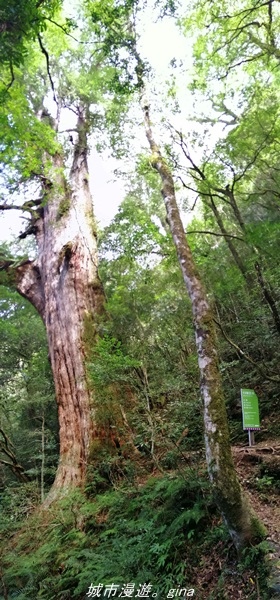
column 160, row 42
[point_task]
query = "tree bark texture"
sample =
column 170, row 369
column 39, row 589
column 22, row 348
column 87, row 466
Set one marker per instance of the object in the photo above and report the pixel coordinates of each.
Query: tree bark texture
column 63, row 284
column 240, row 519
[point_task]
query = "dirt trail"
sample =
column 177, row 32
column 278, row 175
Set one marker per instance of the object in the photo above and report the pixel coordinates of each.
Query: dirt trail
column 258, row 469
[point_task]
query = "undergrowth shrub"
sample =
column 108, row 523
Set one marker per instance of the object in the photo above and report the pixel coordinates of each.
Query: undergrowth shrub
column 17, row 503
column 123, row 535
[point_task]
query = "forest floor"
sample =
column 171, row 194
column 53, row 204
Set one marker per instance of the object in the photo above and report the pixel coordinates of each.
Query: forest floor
column 210, row 564
column 219, row 577
column 258, row 468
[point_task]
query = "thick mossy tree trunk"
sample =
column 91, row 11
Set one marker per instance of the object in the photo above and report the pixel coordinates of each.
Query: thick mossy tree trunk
column 63, row 284
column 240, row 519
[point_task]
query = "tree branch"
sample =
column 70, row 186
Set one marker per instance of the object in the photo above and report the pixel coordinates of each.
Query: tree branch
column 65, row 31
column 25, row 207
column 8, row 85
column 246, row 356
column 48, row 65
column 29, row 285
column 6, row 447
column 241, row 62
column 26, row 277
column 235, row 237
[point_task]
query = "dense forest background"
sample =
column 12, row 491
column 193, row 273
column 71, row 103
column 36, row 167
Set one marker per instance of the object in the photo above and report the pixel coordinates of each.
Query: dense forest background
column 107, row 398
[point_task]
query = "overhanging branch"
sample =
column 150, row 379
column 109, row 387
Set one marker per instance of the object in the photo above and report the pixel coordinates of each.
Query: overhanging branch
column 29, row 285
column 25, row 276
column 229, row 235
column 25, row 207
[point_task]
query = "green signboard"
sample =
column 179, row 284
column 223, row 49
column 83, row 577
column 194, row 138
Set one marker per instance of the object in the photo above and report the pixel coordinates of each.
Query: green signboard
column 250, row 410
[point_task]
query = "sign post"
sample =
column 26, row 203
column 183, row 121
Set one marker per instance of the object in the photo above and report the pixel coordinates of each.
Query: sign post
column 250, row 412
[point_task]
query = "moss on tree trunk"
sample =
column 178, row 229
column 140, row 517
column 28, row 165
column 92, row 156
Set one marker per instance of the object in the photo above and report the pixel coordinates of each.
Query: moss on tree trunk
column 64, row 286
column 242, row 523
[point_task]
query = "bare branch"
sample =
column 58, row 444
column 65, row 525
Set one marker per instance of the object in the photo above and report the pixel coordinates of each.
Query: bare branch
column 236, row 33
column 65, row 31
column 11, row 207
column 245, row 12
column 229, row 235
column 48, row 65
column 204, row 194
column 31, row 230
column 241, row 62
column 25, row 207
column 69, row 130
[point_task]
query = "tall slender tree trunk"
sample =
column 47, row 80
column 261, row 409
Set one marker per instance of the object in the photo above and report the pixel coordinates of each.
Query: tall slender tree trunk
column 242, row 523
column 268, row 294
column 64, row 286
column 237, row 258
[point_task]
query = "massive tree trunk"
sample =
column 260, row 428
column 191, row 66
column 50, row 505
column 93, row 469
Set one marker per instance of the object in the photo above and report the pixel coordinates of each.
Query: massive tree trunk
column 241, row 521
column 63, row 285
